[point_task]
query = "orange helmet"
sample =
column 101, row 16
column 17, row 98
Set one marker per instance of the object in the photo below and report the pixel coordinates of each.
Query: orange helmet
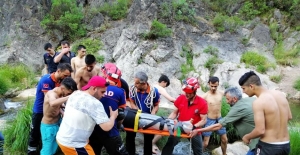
column 111, row 72
column 190, row 85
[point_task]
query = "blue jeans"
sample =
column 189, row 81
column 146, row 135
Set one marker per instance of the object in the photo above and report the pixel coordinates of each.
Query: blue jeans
column 1, row 136
column 251, row 152
column 1, row 142
column 210, row 122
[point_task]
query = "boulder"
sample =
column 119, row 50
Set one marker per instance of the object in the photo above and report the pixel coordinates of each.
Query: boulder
column 236, row 148
column 25, row 94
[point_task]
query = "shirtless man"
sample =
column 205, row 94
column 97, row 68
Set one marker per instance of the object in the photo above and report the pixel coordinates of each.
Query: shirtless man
column 214, row 101
column 78, row 61
column 163, row 82
column 84, row 74
column 51, row 119
column 271, row 115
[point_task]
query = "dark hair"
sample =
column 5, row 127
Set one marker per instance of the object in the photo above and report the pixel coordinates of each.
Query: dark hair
column 64, row 66
column 47, row 45
column 69, row 83
column 80, row 47
column 90, row 59
column 165, row 79
column 249, row 78
column 213, row 79
column 65, row 42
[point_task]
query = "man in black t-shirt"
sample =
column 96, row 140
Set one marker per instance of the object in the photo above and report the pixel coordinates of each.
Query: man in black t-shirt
column 65, row 55
column 50, row 65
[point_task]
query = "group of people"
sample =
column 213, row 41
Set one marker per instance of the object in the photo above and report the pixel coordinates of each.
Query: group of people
column 79, row 106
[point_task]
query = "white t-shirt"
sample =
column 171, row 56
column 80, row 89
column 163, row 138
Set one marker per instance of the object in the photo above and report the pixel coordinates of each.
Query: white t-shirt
column 82, row 113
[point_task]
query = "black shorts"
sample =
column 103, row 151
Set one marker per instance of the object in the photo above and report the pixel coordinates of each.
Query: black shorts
column 263, row 148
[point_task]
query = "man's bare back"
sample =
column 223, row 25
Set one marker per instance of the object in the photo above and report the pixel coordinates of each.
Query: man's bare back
column 51, row 112
column 76, row 63
column 82, row 76
column 273, row 106
column 214, row 102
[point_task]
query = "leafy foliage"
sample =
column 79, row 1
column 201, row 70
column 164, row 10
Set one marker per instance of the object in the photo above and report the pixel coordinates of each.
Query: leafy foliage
column 16, row 132
column 157, row 30
column 286, row 57
column 179, row 10
column 116, row 10
column 182, row 11
column 15, row 75
column 226, row 23
column 294, row 138
column 188, row 66
column 210, row 64
column 276, row 78
column 255, row 59
column 211, row 50
column 251, row 9
column 92, row 45
column 66, row 17
column 297, row 84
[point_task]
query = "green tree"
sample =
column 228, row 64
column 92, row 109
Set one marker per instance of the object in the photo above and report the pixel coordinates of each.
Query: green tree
column 66, row 17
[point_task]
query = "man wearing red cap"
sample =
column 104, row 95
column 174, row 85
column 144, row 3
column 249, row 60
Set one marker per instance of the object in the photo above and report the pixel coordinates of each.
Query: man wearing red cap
column 83, row 111
column 189, row 107
column 114, row 98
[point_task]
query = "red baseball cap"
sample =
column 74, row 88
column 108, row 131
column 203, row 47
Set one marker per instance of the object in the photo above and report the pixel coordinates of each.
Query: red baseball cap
column 96, row 81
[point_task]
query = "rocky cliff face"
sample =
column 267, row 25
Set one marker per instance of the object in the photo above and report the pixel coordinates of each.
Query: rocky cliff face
column 21, row 36
column 22, row 40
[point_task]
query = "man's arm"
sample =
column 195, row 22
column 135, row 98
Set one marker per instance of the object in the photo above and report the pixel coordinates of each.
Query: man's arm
column 110, row 124
column 73, row 67
column 214, row 127
column 202, row 122
column 46, row 67
column 155, row 109
column 174, row 114
column 259, row 120
column 77, row 78
column 132, row 105
column 54, row 102
column 58, row 57
column 164, row 93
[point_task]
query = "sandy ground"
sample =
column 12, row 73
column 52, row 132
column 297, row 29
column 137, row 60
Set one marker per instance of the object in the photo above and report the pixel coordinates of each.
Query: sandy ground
column 290, row 75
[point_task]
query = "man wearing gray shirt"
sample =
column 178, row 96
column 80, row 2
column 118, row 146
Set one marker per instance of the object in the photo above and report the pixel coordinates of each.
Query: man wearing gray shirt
column 240, row 115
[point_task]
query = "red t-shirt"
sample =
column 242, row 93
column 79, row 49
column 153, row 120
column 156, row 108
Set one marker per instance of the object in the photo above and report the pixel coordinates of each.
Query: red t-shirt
column 186, row 112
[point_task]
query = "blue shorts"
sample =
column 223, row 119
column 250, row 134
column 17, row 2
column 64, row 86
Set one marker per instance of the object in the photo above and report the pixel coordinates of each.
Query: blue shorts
column 210, row 122
column 48, row 132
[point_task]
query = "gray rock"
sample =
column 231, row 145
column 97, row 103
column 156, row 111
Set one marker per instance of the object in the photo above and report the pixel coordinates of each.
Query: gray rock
column 236, row 148
column 277, row 15
column 261, row 39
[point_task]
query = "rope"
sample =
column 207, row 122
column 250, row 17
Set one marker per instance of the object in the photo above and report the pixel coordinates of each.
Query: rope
column 149, row 99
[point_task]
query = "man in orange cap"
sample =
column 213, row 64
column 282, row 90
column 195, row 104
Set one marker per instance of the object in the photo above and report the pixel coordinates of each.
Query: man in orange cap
column 189, row 107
